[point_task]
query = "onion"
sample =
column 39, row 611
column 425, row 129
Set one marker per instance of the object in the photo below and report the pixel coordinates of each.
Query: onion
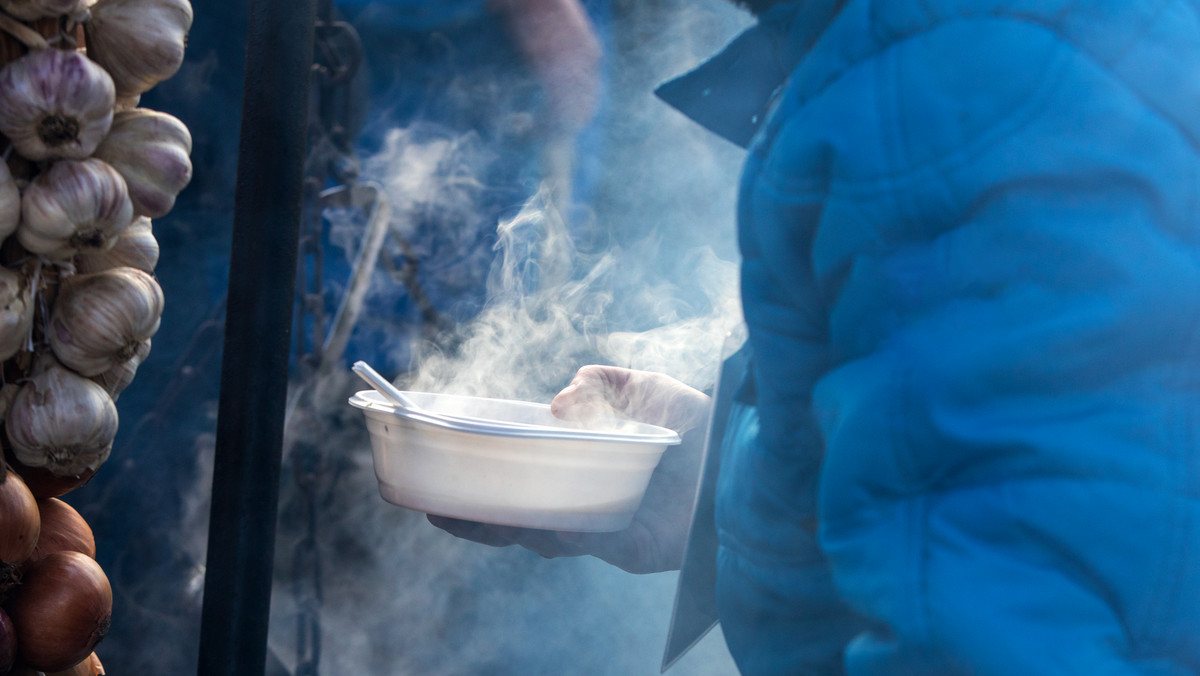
column 63, row 530
column 89, row 667
column 46, row 484
column 61, row 610
column 19, row 526
column 8, row 643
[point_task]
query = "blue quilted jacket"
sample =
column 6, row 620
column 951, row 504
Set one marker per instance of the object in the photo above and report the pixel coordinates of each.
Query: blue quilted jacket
column 969, row 442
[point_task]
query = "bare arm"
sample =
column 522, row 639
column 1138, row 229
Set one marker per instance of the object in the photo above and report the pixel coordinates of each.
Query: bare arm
column 558, row 40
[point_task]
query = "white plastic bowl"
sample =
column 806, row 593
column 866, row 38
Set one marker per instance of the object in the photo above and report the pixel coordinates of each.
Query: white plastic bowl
column 509, row 462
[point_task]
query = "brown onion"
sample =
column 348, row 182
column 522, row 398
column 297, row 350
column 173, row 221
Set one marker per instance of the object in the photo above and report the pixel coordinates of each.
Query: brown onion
column 42, row 482
column 8, row 643
column 89, row 667
column 19, row 526
column 61, row 610
column 63, row 530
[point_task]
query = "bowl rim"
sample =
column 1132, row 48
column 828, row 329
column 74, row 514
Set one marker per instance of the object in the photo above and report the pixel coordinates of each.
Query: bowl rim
column 371, row 401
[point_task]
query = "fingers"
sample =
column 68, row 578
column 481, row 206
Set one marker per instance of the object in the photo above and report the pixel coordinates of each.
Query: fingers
column 635, row 550
column 600, row 392
column 596, row 393
column 548, row 544
column 619, row 549
column 483, row 533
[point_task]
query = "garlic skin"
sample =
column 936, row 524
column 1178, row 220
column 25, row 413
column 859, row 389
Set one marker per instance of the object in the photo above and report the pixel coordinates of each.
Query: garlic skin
column 151, row 150
column 139, row 42
column 54, row 104
column 10, row 201
column 62, row 422
column 75, row 206
column 136, row 247
column 8, row 392
column 101, row 320
column 38, row 9
column 16, row 312
column 127, row 102
column 116, row 379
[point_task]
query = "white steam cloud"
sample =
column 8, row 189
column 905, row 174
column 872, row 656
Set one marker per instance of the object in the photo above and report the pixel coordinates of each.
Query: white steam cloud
column 540, row 323
column 644, row 278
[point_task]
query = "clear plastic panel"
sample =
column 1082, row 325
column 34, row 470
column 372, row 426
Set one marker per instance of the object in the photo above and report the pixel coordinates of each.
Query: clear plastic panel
column 513, row 234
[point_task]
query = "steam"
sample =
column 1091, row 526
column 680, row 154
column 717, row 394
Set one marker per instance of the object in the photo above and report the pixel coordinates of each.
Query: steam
column 547, row 308
column 644, row 278
column 542, row 322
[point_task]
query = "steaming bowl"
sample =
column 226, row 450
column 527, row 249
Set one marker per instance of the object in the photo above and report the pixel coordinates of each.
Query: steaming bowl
column 509, row 462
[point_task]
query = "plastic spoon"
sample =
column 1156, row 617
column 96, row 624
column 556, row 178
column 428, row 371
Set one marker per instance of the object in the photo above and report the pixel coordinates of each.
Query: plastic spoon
column 383, row 385
column 388, row 390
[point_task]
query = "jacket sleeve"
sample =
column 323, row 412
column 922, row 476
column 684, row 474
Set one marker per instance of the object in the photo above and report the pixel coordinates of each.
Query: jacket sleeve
column 780, row 611
column 829, row 213
column 987, row 227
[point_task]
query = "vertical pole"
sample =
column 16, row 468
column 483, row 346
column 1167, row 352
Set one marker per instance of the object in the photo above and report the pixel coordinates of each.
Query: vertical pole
column 254, row 368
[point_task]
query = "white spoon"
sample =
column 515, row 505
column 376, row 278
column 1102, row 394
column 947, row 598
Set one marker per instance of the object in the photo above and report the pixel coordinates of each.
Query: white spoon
column 383, row 385
column 391, row 393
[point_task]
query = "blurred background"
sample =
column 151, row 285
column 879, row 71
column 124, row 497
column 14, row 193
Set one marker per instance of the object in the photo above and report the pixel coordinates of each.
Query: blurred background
column 518, row 248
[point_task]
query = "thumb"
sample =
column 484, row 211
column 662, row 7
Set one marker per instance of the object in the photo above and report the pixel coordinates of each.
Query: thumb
column 595, row 392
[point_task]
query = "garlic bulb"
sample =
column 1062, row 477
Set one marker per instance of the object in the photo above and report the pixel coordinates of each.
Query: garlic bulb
column 151, row 150
column 55, row 103
column 10, row 201
column 75, row 206
column 100, row 320
column 134, row 248
column 38, row 9
column 62, row 422
column 127, row 102
column 8, row 392
column 139, row 42
column 116, row 379
column 16, row 312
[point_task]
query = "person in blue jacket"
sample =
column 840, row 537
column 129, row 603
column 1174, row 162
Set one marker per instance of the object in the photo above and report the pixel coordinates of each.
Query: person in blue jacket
column 969, row 438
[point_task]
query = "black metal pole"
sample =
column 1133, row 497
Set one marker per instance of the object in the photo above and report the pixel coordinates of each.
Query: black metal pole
column 262, row 272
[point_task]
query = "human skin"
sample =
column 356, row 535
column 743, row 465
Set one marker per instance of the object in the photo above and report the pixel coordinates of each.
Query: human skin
column 655, row 540
column 557, row 39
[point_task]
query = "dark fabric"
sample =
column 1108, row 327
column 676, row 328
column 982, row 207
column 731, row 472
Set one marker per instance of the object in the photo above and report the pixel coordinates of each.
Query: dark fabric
column 730, row 93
